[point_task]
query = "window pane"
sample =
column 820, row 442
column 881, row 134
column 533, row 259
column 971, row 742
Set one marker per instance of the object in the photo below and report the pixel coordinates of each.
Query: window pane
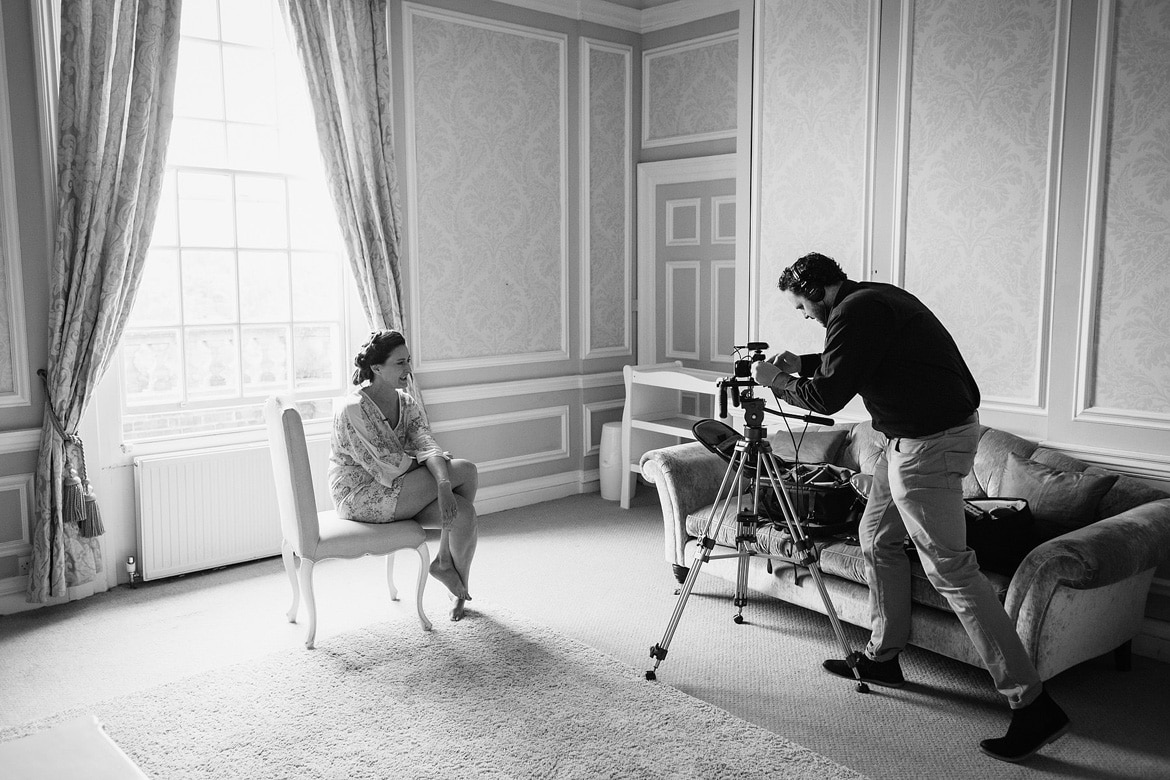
column 312, row 217
column 205, row 209
column 158, row 300
column 250, row 93
column 262, row 215
column 209, row 286
column 315, row 350
column 264, row 287
column 151, row 360
column 199, row 80
column 316, row 286
column 266, row 359
column 253, row 147
column 166, row 223
column 247, row 21
column 197, row 142
column 213, row 369
column 200, row 18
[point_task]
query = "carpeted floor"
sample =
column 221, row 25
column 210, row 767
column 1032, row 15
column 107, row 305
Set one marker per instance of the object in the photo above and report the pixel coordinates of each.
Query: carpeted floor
column 494, row 697
column 594, row 573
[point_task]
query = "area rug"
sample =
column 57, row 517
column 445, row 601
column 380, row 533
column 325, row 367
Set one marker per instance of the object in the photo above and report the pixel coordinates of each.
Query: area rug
column 493, row 696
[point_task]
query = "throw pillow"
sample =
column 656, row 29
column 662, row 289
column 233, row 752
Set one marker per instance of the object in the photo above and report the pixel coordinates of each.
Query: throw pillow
column 1061, row 501
column 814, row 446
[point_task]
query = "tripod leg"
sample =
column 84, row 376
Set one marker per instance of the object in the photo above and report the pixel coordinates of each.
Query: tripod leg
column 807, row 557
column 702, row 555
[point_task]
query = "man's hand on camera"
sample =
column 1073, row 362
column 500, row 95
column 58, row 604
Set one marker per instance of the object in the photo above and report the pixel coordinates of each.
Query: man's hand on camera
column 787, row 362
column 764, row 372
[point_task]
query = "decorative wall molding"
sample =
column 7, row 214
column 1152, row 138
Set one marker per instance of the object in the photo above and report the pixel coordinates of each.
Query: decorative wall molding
column 997, row 165
column 674, row 269
column 721, row 340
column 558, row 413
column 22, row 485
column 15, row 390
column 493, row 390
column 592, row 447
column 648, row 59
column 424, row 362
column 673, row 237
column 718, row 203
column 651, row 176
column 1093, row 249
column 1142, row 465
column 26, row 440
column 588, row 350
column 613, row 15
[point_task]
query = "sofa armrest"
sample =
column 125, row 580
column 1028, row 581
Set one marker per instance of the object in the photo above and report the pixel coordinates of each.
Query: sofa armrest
column 688, row 477
column 1099, row 554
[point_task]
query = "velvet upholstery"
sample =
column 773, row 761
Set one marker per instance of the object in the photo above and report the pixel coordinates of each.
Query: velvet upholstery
column 1061, row 500
column 1073, row 597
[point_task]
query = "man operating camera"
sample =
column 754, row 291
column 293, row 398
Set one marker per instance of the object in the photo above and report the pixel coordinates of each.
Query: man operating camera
column 885, row 345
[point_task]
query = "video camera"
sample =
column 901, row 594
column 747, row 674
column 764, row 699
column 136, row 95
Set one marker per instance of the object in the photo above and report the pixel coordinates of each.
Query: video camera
column 742, row 379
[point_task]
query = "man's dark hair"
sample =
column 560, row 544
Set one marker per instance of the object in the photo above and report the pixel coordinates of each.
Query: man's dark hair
column 810, row 275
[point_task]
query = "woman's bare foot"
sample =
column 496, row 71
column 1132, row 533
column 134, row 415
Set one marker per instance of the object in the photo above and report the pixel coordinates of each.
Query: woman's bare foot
column 451, row 579
column 458, row 610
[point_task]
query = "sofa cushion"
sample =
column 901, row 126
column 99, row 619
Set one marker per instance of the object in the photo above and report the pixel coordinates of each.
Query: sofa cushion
column 822, row 446
column 843, row 559
column 1061, row 501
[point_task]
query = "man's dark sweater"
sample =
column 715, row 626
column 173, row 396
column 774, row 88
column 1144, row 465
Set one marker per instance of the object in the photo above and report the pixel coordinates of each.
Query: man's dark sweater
column 883, row 344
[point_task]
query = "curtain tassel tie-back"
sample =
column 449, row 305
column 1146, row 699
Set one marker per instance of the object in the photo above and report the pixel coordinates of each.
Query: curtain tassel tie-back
column 78, row 502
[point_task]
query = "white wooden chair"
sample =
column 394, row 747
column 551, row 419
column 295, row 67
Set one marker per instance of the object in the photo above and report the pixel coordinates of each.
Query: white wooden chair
column 311, row 536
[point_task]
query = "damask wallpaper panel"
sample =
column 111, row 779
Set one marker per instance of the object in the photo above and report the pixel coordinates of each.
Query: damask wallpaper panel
column 1132, row 368
column 813, row 63
column 689, row 90
column 978, row 181
column 609, row 262
column 485, row 115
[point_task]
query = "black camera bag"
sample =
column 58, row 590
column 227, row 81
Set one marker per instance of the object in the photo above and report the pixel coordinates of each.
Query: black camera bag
column 825, row 502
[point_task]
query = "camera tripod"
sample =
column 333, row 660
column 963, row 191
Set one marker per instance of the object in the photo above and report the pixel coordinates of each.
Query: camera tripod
column 754, row 461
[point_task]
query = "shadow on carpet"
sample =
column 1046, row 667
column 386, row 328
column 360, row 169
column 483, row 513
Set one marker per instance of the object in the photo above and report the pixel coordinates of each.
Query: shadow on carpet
column 492, row 696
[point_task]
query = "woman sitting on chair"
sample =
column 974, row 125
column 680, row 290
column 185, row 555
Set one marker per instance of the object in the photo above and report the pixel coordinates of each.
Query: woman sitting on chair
column 380, row 440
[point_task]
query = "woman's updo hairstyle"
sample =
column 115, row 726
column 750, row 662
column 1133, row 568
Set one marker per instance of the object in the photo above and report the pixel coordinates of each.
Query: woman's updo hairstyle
column 374, row 352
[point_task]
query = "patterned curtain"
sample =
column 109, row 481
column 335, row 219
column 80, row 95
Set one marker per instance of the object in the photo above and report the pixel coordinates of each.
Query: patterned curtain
column 118, row 63
column 345, row 54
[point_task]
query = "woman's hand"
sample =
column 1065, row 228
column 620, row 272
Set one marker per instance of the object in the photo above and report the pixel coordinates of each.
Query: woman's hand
column 448, row 506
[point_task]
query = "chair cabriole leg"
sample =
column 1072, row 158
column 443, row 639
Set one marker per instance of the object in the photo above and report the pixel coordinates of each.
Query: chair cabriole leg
column 424, row 567
column 390, row 577
column 290, row 568
column 306, row 580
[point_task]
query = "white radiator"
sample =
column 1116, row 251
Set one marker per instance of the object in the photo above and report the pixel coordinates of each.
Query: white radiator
column 199, row 510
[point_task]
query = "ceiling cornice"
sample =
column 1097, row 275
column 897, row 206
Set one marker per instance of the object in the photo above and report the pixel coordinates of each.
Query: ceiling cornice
column 614, row 15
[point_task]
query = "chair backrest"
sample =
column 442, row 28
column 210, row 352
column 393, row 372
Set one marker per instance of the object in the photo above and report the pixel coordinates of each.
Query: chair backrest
column 294, row 478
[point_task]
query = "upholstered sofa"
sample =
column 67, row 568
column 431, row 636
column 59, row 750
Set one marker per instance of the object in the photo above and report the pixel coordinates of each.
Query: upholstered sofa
column 1078, row 593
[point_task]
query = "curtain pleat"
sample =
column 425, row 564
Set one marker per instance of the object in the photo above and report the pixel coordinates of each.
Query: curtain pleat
column 117, row 80
column 343, row 48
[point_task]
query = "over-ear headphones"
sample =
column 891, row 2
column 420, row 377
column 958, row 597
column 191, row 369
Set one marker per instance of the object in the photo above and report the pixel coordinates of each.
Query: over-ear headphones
column 803, row 284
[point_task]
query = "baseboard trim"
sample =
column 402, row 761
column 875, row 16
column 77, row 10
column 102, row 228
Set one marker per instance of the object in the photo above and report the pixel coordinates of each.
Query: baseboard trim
column 512, row 495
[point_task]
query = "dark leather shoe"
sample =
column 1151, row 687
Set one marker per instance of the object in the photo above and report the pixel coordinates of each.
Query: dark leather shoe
column 884, row 673
column 1032, row 727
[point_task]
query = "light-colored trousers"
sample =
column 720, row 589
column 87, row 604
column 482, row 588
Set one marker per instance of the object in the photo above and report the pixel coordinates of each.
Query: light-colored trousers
column 917, row 490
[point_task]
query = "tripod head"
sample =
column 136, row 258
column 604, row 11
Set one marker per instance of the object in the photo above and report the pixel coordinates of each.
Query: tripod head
column 740, row 385
column 741, row 389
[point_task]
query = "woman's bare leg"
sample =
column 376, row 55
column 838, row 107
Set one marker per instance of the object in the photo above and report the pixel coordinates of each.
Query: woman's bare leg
column 457, row 542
